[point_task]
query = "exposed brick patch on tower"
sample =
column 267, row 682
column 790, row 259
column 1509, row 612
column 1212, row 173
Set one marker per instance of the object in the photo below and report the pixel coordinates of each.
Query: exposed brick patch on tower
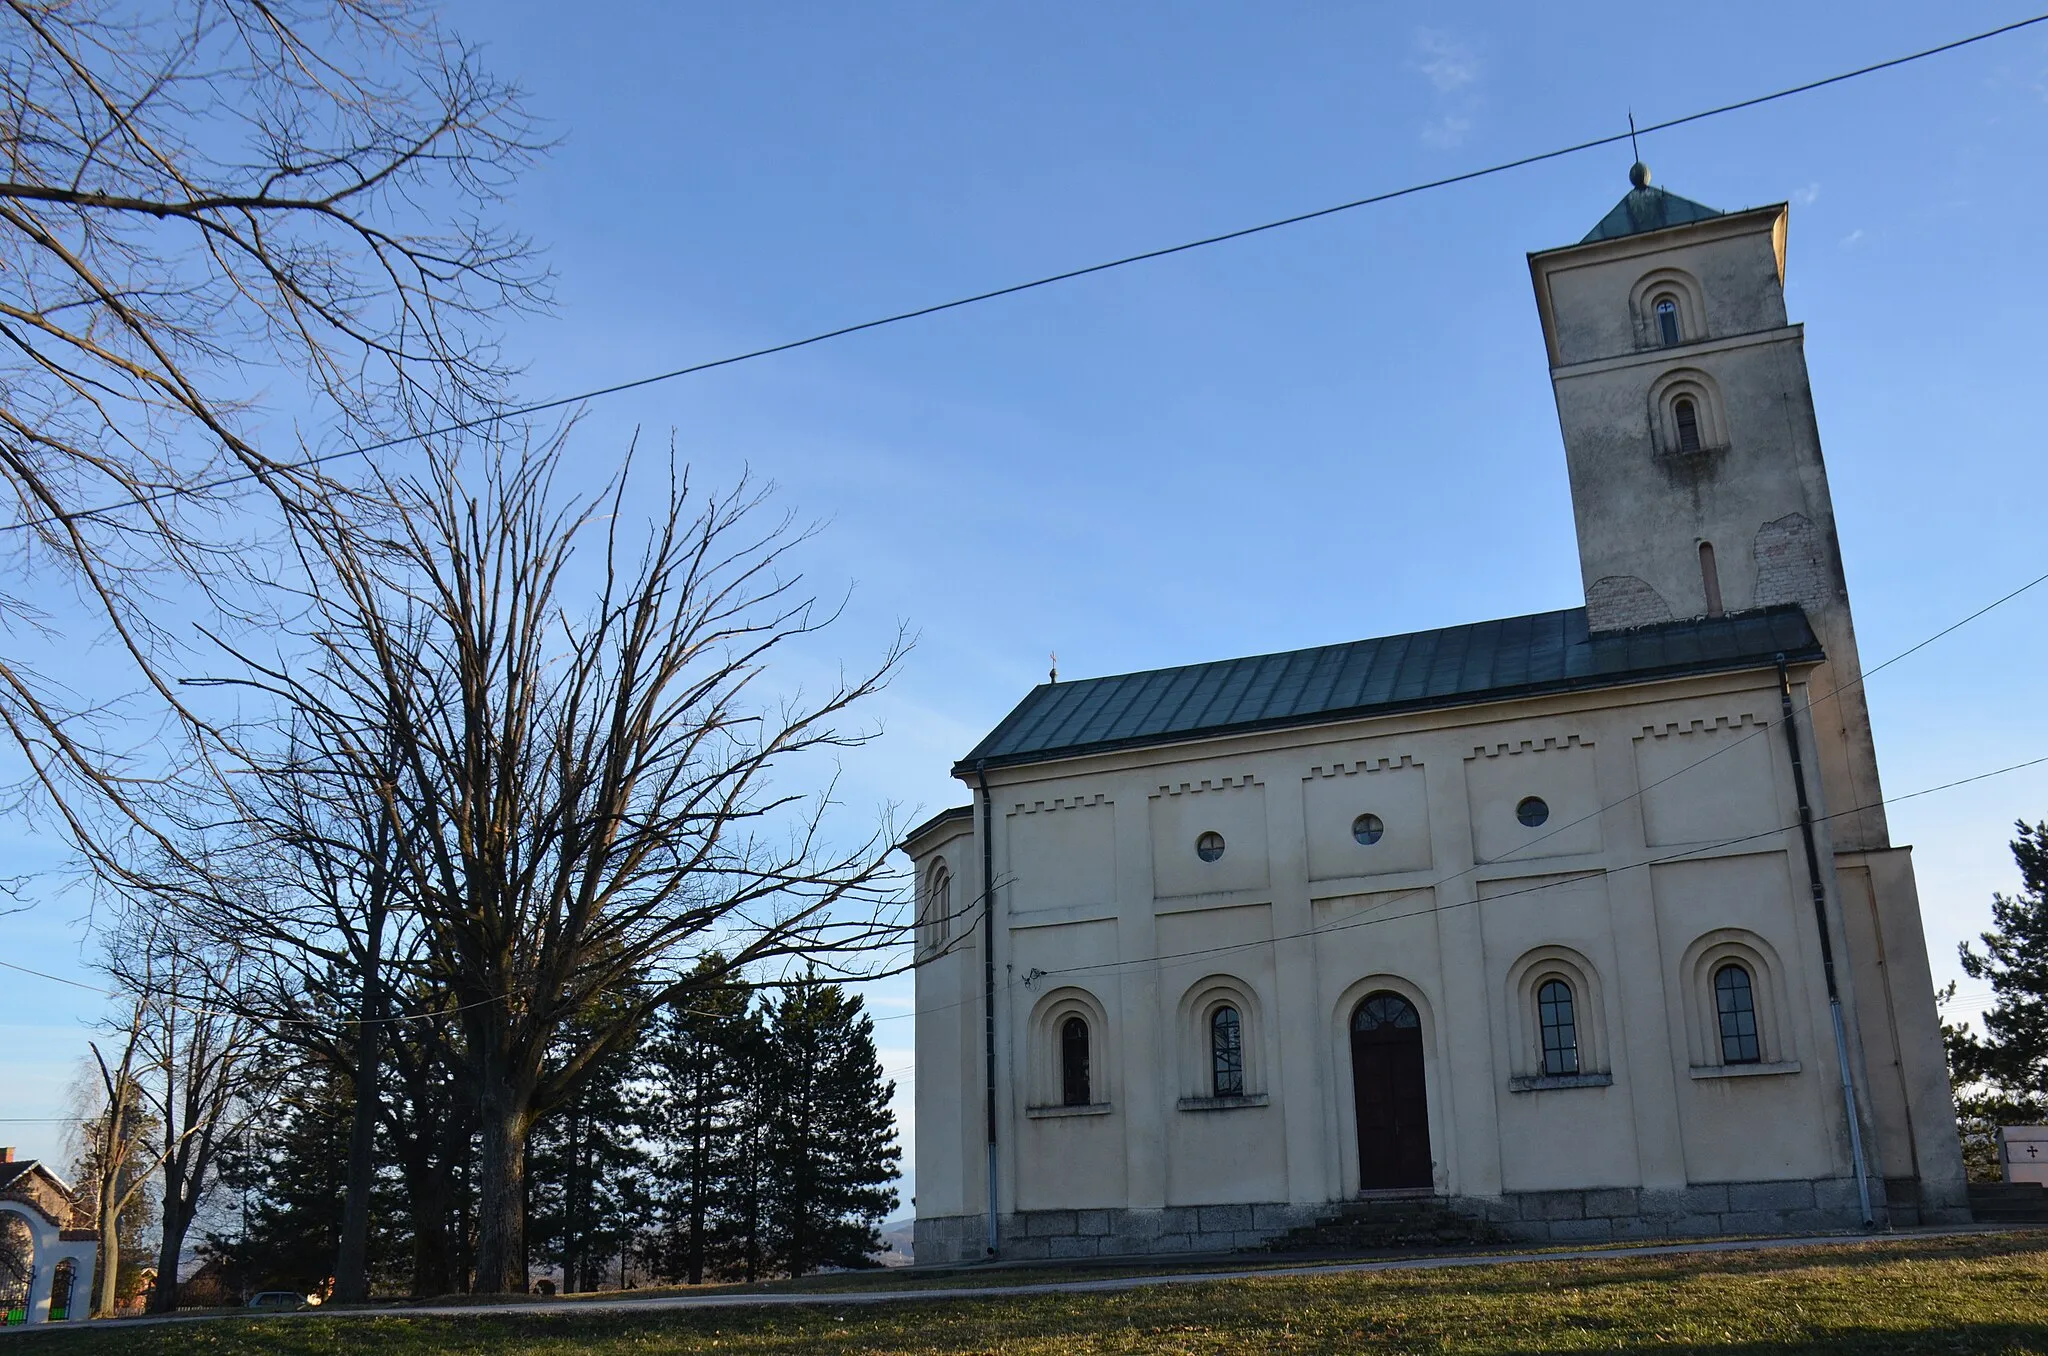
column 1621, row 601
column 1791, row 564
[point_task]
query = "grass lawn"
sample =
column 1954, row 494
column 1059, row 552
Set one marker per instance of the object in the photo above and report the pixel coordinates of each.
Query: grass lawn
column 1986, row 1293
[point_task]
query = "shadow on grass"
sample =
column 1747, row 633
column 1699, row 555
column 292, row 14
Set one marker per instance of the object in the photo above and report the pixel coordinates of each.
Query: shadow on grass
column 1965, row 1294
column 1597, row 1272
column 1259, row 1264
column 1995, row 1339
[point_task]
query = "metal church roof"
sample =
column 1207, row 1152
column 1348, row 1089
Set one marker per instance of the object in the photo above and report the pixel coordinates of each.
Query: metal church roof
column 1648, row 208
column 1547, row 652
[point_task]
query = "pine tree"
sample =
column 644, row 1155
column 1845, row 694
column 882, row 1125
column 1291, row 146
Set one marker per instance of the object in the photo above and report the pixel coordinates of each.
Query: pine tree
column 831, row 1146
column 430, row 1134
column 742, row 1191
column 287, row 1175
column 585, row 1162
column 695, row 1071
column 2002, row 1077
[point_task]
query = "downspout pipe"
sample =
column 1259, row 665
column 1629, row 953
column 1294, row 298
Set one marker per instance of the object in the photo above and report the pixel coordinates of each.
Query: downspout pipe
column 988, row 984
column 1817, row 880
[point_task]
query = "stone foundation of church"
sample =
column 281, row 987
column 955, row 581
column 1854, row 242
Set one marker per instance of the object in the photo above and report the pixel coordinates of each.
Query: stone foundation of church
column 1593, row 1215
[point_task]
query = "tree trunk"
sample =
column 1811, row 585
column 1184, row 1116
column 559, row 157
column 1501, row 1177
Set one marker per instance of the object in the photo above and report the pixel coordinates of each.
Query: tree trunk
column 501, row 1192
column 352, row 1257
column 107, row 1289
column 700, row 1150
column 572, row 1205
column 177, row 1221
column 426, row 1192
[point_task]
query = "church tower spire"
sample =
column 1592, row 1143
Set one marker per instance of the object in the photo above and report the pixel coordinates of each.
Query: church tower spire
column 1697, row 480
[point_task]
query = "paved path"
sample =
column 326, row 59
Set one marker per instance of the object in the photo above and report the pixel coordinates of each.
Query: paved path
column 758, row 1300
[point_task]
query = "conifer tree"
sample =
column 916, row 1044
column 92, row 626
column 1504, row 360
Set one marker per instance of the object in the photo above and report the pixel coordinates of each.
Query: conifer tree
column 430, row 1139
column 2002, row 1077
column 586, row 1163
column 742, row 1193
column 287, row 1174
column 697, row 1085
column 831, row 1140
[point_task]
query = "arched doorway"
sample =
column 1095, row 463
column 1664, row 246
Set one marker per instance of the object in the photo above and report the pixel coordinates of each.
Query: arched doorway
column 1391, row 1097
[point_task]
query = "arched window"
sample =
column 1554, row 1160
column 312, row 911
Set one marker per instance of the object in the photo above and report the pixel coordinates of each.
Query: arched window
column 938, row 906
column 1385, row 1012
column 1667, row 321
column 1560, row 1027
column 1735, row 1003
column 1687, row 416
column 1226, row 1052
column 1074, row 1062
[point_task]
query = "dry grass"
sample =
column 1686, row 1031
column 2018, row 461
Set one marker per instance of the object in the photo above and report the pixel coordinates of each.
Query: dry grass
column 1983, row 1293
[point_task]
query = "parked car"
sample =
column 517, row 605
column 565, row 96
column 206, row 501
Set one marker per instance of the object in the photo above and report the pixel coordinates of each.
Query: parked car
column 277, row 1299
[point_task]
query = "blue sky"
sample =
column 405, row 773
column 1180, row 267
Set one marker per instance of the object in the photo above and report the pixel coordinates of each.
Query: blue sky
column 1338, row 430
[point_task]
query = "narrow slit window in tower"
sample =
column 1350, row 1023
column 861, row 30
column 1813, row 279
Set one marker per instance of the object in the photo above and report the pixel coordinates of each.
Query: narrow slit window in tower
column 1710, row 575
column 1687, row 416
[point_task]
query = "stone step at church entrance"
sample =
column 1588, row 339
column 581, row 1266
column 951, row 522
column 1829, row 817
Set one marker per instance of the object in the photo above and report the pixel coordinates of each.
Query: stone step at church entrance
column 1393, row 1223
column 2009, row 1202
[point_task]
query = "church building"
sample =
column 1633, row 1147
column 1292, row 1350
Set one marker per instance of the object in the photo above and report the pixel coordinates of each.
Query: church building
column 1587, row 923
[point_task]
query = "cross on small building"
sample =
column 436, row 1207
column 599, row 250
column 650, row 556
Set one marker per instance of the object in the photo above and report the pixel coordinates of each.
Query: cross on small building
column 2033, row 1150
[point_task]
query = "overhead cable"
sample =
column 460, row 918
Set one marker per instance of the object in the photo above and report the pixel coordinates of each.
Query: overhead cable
column 992, row 294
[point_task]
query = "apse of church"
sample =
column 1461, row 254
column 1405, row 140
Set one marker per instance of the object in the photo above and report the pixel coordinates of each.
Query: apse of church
column 1516, row 916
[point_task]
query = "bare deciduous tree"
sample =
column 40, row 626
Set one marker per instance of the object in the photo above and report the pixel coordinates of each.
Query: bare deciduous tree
column 169, row 1097
column 294, row 875
column 115, row 1148
column 208, row 205
column 581, row 792
column 191, row 1070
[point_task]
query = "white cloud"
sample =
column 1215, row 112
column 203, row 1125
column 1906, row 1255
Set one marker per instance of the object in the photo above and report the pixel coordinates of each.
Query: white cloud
column 1808, row 196
column 1453, row 70
column 1446, row 131
column 1853, row 237
column 1448, row 63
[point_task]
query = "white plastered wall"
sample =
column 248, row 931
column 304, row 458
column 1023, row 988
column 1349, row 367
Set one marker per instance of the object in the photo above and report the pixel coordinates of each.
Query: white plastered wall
column 1445, row 922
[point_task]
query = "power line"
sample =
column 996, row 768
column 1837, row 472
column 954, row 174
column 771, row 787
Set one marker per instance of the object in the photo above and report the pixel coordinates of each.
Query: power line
column 596, row 393
column 1414, row 890
column 198, row 1010
column 1693, row 851
column 1639, row 791
column 1680, row 855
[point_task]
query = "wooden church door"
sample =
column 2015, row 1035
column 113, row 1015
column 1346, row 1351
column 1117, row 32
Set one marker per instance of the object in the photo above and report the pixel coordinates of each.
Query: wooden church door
column 1392, row 1100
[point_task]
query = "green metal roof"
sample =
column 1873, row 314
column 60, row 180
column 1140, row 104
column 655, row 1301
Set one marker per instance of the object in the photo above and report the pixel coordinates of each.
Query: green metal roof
column 1548, row 652
column 1648, row 208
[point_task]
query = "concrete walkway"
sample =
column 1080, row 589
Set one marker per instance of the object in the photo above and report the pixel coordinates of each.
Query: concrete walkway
column 840, row 1298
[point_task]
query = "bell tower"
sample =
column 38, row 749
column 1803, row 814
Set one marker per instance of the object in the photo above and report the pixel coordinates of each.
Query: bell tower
column 1698, row 488
column 1696, row 473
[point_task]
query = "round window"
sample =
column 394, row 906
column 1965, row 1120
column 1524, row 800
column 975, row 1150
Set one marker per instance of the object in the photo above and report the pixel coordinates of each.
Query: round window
column 1532, row 812
column 1367, row 829
column 1209, row 846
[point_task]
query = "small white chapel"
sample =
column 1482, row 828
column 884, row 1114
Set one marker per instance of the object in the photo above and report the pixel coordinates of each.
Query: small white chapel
column 1586, row 924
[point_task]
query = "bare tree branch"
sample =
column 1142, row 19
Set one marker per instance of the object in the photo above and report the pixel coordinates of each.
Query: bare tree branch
column 553, row 737
column 216, row 215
